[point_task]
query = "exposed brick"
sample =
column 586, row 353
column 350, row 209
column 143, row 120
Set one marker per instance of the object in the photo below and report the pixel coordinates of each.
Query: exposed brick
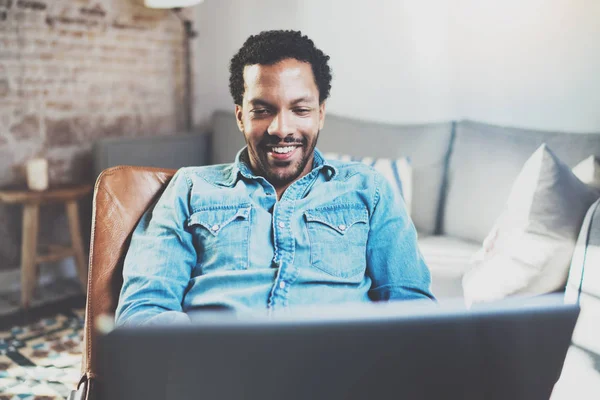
column 81, row 167
column 4, row 88
column 96, row 11
column 30, row 94
column 27, row 128
column 63, row 131
column 9, row 43
column 30, row 82
column 6, row 166
column 69, row 164
column 108, row 49
column 151, row 19
column 33, row 5
column 59, row 106
column 157, row 125
column 10, row 104
column 57, row 20
column 18, row 15
column 30, row 70
column 125, row 125
column 72, row 72
column 5, row 118
column 127, row 26
column 75, row 34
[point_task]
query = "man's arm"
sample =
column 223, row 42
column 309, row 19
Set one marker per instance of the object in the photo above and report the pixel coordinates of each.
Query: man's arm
column 159, row 262
column 394, row 262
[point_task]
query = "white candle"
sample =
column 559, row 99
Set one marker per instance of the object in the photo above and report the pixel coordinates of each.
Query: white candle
column 37, row 174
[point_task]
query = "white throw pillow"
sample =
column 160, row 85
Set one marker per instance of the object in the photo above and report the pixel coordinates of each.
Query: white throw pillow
column 588, row 171
column 397, row 172
column 529, row 249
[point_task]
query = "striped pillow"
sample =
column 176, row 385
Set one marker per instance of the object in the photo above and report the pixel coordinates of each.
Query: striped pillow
column 398, row 173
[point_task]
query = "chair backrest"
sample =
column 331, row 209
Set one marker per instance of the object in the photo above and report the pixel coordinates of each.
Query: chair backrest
column 121, row 196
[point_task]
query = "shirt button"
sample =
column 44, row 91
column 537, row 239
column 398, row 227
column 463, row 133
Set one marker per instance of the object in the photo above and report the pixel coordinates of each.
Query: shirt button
column 281, row 224
column 342, row 227
column 214, row 227
column 282, row 284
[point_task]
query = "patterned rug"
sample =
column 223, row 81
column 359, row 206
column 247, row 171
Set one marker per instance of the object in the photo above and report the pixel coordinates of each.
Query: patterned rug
column 42, row 360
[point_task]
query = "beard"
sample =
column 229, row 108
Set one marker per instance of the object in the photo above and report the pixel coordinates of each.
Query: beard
column 281, row 173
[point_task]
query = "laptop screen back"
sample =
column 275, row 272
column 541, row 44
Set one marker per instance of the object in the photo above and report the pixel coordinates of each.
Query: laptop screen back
column 504, row 351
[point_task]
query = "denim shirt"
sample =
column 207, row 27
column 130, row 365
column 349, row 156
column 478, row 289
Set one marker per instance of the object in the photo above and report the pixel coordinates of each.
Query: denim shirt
column 218, row 237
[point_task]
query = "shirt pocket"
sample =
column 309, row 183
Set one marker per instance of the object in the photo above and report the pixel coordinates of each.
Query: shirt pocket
column 221, row 236
column 338, row 239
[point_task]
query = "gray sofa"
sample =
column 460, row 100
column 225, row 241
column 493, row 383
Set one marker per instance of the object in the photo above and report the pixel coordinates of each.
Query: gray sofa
column 455, row 202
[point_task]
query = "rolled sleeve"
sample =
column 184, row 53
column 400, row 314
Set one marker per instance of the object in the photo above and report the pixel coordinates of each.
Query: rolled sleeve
column 394, row 263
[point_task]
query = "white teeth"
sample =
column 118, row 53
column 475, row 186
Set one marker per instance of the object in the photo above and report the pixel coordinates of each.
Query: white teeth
column 282, row 150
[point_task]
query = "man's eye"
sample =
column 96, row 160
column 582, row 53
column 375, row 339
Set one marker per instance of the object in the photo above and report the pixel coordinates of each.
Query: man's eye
column 302, row 111
column 260, row 111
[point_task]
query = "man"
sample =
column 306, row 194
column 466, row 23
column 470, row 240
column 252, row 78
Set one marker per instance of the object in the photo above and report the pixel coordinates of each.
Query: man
column 280, row 227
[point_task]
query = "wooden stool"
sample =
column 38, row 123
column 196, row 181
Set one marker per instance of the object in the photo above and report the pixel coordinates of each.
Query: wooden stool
column 29, row 254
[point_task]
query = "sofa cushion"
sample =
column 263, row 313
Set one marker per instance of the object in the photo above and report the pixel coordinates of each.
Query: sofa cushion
column 447, row 259
column 397, row 172
column 484, row 163
column 425, row 144
column 167, row 151
column 580, row 378
column 529, row 249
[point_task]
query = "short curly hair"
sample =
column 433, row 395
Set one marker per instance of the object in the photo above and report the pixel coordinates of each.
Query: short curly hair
column 270, row 47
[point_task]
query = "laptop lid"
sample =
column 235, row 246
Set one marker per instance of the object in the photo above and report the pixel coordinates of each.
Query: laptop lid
column 504, row 350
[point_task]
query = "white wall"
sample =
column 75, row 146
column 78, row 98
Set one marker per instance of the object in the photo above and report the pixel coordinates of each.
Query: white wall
column 390, row 60
column 532, row 63
column 223, row 26
column 527, row 63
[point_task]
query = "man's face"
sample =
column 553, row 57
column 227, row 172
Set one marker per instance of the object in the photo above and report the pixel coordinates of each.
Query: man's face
column 280, row 118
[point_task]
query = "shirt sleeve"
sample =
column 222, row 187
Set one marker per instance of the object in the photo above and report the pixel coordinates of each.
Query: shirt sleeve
column 159, row 262
column 394, row 263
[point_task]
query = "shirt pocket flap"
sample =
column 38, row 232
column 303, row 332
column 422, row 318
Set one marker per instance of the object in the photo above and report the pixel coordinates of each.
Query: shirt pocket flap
column 215, row 219
column 338, row 218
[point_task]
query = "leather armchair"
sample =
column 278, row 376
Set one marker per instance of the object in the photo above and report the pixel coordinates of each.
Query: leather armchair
column 121, row 195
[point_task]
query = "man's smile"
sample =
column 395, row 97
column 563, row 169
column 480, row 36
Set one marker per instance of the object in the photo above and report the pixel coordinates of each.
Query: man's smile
column 282, row 152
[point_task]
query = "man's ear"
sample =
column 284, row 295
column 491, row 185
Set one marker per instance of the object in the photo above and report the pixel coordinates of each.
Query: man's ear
column 321, row 115
column 238, row 117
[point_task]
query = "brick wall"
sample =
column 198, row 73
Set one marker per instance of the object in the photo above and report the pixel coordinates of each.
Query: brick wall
column 74, row 71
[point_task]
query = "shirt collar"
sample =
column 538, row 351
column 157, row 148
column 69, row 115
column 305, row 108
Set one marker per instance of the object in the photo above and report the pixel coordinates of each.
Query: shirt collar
column 241, row 168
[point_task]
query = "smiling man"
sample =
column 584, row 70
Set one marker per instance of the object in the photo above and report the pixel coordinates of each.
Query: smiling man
column 280, row 114
column 281, row 227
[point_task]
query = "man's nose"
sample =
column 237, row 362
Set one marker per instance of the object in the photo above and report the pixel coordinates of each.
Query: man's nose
column 281, row 125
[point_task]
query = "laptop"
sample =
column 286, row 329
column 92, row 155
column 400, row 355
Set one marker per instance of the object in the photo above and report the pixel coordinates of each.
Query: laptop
column 406, row 350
